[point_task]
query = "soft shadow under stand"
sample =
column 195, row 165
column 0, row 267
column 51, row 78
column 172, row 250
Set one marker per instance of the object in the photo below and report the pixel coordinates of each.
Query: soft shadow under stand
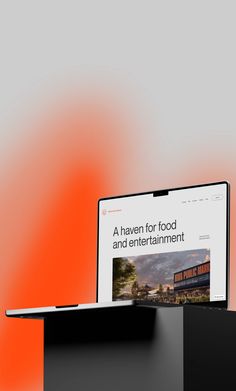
column 138, row 348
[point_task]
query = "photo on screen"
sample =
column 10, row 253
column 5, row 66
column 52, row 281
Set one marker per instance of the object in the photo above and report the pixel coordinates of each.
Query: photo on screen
column 174, row 277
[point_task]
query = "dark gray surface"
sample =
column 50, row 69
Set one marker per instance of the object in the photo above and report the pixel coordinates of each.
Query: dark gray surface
column 209, row 349
column 116, row 349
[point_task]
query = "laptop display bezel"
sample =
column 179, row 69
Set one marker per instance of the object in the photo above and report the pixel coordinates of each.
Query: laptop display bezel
column 161, row 192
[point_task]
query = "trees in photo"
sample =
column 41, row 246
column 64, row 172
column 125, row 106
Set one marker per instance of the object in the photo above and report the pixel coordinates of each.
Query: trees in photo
column 124, row 273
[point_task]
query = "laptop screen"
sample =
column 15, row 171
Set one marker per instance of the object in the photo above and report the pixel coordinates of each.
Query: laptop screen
column 167, row 246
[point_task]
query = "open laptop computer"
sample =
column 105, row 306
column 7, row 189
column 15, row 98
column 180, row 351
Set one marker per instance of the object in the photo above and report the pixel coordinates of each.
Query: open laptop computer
column 164, row 247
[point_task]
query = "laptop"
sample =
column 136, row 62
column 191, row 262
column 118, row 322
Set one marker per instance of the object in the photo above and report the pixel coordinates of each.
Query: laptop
column 164, row 248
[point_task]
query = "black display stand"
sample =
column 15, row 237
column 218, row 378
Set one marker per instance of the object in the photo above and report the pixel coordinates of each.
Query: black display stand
column 140, row 348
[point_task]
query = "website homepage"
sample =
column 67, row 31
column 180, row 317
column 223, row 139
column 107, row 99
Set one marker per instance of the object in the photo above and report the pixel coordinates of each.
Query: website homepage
column 165, row 249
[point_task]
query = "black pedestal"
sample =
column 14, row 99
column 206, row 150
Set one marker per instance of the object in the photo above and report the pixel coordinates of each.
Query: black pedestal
column 141, row 348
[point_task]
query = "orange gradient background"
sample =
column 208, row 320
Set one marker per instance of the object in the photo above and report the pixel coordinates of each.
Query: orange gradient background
column 99, row 99
column 49, row 221
column 49, row 224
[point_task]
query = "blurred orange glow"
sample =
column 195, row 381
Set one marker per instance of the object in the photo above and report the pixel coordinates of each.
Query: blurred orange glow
column 49, row 225
column 71, row 157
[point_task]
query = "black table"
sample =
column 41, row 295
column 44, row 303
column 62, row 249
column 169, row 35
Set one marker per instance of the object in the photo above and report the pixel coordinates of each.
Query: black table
column 138, row 348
